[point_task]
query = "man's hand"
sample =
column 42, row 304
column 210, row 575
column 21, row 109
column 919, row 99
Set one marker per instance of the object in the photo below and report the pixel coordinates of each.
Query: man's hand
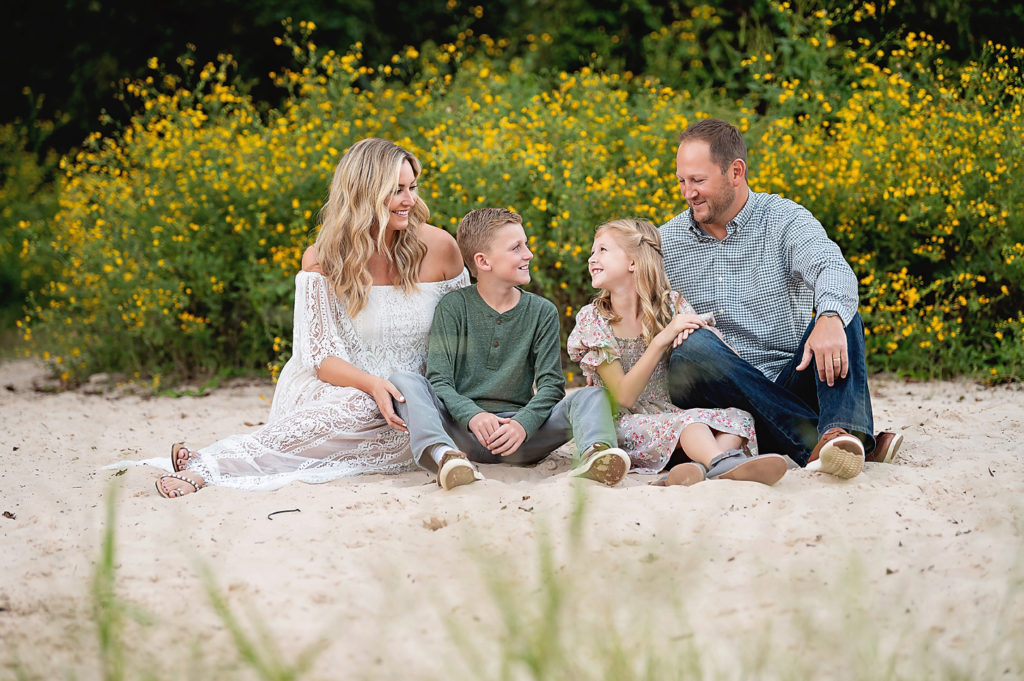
column 507, row 438
column 827, row 345
column 383, row 391
column 483, row 426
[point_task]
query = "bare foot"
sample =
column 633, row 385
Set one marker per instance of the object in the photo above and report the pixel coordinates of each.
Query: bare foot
column 180, row 454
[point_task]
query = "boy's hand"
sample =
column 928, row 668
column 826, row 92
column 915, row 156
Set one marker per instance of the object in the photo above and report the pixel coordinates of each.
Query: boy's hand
column 507, row 438
column 483, row 426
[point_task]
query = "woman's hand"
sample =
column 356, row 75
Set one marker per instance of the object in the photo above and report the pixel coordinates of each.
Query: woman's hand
column 383, row 391
column 678, row 330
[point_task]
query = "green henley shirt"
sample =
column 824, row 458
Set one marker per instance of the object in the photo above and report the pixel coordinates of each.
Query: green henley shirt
column 480, row 360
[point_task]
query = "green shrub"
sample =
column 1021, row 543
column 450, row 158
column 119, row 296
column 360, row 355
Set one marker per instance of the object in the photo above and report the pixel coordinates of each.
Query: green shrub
column 28, row 202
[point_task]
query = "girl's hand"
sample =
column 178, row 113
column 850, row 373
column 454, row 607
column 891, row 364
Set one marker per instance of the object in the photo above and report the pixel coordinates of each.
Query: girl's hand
column 383, row 391
column 679, row 329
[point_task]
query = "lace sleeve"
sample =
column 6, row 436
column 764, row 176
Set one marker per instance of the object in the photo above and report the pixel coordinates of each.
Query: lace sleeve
column 320, row 328
column 461, row 281
column 591, row 343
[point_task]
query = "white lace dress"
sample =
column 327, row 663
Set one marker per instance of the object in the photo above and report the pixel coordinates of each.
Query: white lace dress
column 317, row 431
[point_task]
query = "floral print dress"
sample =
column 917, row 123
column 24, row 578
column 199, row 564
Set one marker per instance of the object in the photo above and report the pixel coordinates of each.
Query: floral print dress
column 649, row 431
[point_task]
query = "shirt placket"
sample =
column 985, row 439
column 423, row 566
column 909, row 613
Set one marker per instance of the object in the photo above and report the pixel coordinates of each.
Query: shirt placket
column 495, row 353
column 719, row 260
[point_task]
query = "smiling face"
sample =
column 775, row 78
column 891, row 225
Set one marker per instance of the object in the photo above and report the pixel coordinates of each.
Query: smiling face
column 403, row 199
column 508, row 257
column 609, row 264
column 713, row 195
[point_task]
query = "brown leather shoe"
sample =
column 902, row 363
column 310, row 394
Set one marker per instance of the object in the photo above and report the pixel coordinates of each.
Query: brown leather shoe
column 887, row 445
column 838, row 453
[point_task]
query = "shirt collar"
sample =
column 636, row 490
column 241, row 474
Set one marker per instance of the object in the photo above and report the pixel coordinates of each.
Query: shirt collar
column 732, row 226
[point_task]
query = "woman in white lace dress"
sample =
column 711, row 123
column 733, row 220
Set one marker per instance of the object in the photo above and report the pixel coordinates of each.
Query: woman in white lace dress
column 364, row 301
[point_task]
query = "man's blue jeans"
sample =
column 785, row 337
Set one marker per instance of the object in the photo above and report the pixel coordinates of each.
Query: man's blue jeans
column 791, row 412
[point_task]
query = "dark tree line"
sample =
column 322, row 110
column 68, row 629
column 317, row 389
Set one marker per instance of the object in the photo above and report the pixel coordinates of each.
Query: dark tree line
column 66, row 58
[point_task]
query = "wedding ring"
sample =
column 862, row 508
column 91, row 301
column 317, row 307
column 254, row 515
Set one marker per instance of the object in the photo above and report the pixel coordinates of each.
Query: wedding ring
column 837, row 360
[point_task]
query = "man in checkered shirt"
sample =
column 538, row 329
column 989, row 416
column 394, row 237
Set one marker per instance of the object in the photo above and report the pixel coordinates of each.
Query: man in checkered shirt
column 783, row 297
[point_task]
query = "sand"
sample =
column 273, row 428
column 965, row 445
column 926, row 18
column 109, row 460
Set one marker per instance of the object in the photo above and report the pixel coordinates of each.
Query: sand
column 912, row 570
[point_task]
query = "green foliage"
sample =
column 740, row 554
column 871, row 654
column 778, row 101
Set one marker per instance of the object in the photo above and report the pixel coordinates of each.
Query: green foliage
column 28, row 202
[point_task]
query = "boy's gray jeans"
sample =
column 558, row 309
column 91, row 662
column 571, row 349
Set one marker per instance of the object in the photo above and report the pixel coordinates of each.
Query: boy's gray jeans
column 584, row 415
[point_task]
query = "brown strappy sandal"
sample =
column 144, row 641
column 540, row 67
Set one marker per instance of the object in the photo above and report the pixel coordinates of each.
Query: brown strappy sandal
column 177, row 492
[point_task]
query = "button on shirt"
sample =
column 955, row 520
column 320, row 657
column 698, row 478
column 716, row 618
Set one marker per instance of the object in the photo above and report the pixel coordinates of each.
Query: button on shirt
column 764, row 280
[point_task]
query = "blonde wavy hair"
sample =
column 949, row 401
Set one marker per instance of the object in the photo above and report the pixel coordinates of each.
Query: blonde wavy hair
column 642, row 242
column 351, row 222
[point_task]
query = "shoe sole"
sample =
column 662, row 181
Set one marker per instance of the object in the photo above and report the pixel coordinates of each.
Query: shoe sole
column 456, row 473
column 890, row 452
column 842, row 457
column 608, row 468
column 685, row 474
column 766, row 469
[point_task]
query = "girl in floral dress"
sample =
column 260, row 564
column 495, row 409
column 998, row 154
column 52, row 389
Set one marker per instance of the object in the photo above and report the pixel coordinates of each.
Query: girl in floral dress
column 622, row 340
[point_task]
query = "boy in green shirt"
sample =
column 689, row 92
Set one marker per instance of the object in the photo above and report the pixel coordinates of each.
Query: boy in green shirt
column 489, row 345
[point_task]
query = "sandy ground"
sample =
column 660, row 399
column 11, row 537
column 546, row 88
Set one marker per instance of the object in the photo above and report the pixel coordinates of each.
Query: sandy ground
column 914, row 570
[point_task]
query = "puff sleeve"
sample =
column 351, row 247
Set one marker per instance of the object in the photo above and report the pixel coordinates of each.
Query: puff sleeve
column 591, row 342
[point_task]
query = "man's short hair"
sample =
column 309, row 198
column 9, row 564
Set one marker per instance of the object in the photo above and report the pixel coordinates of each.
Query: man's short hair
column 723, row 138
column 477, row 228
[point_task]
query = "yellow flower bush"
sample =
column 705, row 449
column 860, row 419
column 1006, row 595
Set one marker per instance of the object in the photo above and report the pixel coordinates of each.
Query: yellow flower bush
column 179, row 235
column 915, row 170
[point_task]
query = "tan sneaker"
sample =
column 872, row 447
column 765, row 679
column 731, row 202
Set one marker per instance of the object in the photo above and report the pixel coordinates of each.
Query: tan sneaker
column 456, row 470
column 838, row 453
column 607, row 465
column 887, row 445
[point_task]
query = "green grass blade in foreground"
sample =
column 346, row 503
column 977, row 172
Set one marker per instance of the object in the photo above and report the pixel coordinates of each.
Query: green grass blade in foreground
column 570, row 607
column 259, row 651
column 558, row 620
column 107, row 609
